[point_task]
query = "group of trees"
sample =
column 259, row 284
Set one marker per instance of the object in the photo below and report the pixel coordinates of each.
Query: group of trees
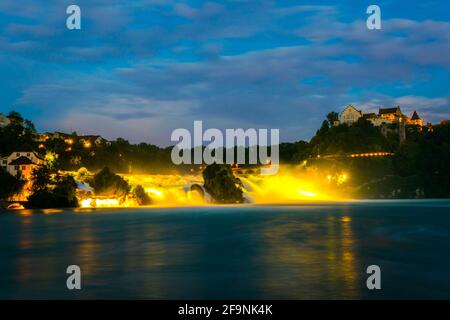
column 53, row 190
column 119, row 155
column 50, row 189
column 9, row 185
column 359, row 137
column 418, row 168
column 19, row 132
column 107, row 183
column 424, row 160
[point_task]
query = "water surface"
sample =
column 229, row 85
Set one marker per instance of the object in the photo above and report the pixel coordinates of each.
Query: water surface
column 313, row 251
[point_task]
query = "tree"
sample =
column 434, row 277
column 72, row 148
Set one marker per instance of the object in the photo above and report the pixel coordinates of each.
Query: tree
column 107, row 183
column 41, row 178
column 15, row 116
column 65, row 190
column 323, row 129
column 332, row 117
column 141, row 196
column 56, row 194
column 222, row 185
column 16, row 134
column 9, row 185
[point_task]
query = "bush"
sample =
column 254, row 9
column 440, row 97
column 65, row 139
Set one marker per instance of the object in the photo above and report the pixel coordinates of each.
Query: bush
column 141, row 197
column 41, row 177
column 9, row 185
column 83, row 174
column 107, row 183
column 222, row 185
column 62, row 196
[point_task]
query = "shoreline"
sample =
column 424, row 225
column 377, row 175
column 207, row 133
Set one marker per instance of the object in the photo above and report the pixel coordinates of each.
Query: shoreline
column 408, row 202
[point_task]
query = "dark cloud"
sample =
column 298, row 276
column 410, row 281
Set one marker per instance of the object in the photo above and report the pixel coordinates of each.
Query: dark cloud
column 144, row 68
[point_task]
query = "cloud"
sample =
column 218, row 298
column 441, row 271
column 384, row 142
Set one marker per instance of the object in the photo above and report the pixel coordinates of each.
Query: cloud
column 207, row 10
column 142, row 70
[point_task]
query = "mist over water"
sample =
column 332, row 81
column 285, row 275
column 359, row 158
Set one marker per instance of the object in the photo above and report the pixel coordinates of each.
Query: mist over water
column 290, row 186
column 320, row 250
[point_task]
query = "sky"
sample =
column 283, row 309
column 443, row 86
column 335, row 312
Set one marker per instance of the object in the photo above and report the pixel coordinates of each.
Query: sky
column 140, row 69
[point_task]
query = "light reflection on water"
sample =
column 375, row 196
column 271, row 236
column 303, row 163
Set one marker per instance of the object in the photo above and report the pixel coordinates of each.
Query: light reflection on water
column 328, row 259
column 303, row 252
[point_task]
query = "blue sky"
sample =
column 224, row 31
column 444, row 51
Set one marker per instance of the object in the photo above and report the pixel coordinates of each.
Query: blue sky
column 140, row 69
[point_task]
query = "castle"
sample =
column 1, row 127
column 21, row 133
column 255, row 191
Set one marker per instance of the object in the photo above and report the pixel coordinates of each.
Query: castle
column 385, row 116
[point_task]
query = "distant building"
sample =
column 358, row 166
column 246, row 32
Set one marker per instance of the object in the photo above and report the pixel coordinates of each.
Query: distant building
column 22, row 161
column 4, row 120
column 350, row 115
column 87, row 140
column 415, row 119
column 385, row 116
column 97, row 140
column 390, row 115
column 41, row 137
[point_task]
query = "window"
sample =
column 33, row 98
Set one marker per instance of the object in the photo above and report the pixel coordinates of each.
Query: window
column 24, row 168
column 28, row 154
column 18, row 154
column 16, row 168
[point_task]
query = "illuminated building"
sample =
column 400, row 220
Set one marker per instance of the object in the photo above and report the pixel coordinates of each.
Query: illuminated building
column 22, row 161
column 350, row 115
column 415, row 119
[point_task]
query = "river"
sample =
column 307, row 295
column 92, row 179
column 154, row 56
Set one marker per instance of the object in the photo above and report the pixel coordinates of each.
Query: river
column 309, row 251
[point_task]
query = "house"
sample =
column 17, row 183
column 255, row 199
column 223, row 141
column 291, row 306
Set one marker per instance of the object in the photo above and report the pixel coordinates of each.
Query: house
column 415, row 119
column 21, row 162
column 350, row 115
column 4, row 120
column 91, row 140
column 86, row 140
column 390, row 115
column 42, row 137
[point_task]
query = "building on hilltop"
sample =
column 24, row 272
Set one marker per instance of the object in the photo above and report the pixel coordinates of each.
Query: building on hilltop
column 350, row 115
column 390, row 115
column 390, row 120
column 385, row 116
column 415, row 119
column 86, row 140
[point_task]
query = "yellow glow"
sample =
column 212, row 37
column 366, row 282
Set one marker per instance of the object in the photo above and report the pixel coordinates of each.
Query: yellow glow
column 87, row 144
column 99, row 203
column 371, row 154
column 292, row 184
column 306, row 193
column 342, row 178
column 51, row 211
column 155, row 192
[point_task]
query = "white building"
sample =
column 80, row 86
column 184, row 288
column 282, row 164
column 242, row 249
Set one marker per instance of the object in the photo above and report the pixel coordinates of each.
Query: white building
column 350, row 115
column 24, row 160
